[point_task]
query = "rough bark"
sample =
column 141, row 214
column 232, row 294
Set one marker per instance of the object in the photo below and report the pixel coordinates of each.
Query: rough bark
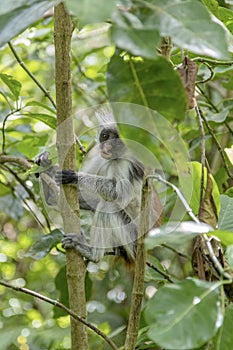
column 63, row 29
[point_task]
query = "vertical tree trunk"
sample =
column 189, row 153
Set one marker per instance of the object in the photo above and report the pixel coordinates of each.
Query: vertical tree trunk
column 63, row 29
column 139, row 273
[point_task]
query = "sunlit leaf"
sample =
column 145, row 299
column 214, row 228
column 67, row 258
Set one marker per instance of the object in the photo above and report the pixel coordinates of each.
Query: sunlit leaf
column 226, row 237
column 176, row 314
column 229, row 152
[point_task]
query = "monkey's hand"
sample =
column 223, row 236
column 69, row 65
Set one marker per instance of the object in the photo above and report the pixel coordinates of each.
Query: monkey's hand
column 64, row 177
column 78, row 242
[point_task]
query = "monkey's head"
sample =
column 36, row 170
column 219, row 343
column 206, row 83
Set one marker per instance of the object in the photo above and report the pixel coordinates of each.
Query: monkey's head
column 111, row 146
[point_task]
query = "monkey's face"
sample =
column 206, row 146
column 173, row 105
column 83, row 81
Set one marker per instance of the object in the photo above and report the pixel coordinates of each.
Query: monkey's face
column 111, row 146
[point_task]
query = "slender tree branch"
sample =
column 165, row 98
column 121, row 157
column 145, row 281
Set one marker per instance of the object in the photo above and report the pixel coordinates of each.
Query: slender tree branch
column 17, row 160
column 213, row 257
column 4, row 128
column 213, row 62
column 203, row 155
column 31, row 75
column 221, row 151
column 165, row 275
column 211, row 74
column 203, row 93
column 63, row 307
column 182, row 255
column 46, row 93
column 139, row 272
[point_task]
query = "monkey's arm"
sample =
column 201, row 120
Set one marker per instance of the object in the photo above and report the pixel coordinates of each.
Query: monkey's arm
column 51, row 189
column 110, row 189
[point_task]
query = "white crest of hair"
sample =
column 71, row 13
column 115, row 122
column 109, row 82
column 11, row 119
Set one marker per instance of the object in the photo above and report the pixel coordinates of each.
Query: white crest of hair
column 105, row 116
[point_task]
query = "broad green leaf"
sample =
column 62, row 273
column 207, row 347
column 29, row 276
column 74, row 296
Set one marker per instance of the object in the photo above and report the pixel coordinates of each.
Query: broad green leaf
column 13, row 85
column 15, row 16
column 91, row 11
column 175, row 233
column 129, row 34
column 225, row 222
column 184, row 315
column 42, row 247
column 152, row 84
column 189, row 25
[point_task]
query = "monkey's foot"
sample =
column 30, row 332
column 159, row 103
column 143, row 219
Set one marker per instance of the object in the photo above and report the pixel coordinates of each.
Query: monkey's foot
column 64, row 177
column 78, row 242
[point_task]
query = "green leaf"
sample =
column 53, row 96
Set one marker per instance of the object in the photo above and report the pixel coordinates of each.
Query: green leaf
column 189, row 25
column 196, row 188
column 226, row 237
column 175, row 233
column 129, row 34
column 91, row 11
column 184, row 315
column 152, row 273
column 15, row 16
column 40, row 105
column 226, row 334
column 152, row 84
column 45, row 118
column 218, row 117
column 225, row 221
column 13, row 85
column 42, row 247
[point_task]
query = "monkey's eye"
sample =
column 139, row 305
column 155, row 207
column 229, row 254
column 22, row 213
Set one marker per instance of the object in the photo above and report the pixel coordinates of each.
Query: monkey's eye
column 104, row 136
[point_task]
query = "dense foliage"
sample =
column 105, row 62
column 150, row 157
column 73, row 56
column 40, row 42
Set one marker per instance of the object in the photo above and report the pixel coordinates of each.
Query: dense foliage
column 129, row 53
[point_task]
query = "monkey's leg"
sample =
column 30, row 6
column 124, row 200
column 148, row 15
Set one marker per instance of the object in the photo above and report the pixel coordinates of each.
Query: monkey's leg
column 78, row 242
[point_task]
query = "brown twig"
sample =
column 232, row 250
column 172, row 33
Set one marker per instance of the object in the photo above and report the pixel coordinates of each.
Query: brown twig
column 63, row 307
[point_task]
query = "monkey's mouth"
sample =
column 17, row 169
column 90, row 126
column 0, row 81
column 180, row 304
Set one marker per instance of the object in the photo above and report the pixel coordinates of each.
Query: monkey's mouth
column 106, row 155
